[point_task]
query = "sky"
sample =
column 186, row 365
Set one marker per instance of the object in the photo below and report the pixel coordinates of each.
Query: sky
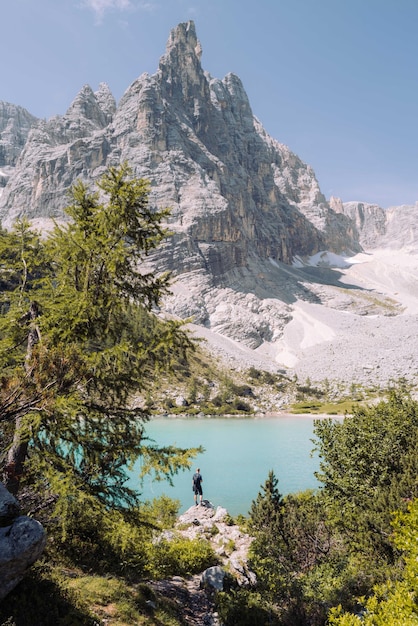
column 335, row 80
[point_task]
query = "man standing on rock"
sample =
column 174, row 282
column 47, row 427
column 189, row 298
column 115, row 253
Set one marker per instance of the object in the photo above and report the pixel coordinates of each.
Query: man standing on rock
column 197, row 486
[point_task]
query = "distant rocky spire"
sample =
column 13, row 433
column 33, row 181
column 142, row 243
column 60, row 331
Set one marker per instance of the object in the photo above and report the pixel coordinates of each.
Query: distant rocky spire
column 106, row 100
column 15, row 124
column 87, row 106
column 180, row 66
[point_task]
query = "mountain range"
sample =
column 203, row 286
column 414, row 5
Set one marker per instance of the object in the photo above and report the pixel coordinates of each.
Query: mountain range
column 270, row 271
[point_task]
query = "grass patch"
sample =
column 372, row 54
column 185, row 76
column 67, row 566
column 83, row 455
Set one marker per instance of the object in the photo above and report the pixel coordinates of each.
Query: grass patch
column 117, row 603
column 54, row 596
column 340, row 407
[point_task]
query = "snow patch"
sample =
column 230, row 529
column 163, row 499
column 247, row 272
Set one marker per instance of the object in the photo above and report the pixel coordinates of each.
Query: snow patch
column 323, row 259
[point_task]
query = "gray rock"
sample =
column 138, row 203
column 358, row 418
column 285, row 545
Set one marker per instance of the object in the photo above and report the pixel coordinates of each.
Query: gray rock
column 213, row 578
column 227, row 540
column 201, row 513
column 9, row 507
column 15, row 125
column 396, row 227
column 180, row 401
column 22, row 542
column 221, row 514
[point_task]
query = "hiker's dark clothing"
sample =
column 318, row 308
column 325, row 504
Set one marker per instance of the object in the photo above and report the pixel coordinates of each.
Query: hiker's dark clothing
column 197, row 483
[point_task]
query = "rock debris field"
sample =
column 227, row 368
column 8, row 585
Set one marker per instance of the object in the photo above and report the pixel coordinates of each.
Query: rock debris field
column 342, row 338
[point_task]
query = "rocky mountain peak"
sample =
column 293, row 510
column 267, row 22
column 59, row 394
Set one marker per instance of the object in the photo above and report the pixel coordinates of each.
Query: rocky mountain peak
column 106, row 100
column 183, row 48
column 182, row 79
column 15, row 126
column 90, row 111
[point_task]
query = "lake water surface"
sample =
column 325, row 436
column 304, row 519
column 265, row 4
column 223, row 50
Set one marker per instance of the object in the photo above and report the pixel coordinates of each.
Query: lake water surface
column 239, row 452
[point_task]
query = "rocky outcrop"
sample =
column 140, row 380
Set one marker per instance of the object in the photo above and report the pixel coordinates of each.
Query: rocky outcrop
column 195, row 596
column 396, row 227
column 22, row 541
column 15, row 125
column 369, row 220
column 230, row 543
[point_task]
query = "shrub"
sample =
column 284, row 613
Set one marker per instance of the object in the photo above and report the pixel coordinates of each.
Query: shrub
column 181, row 557
column 245, row 608
column 240, row 405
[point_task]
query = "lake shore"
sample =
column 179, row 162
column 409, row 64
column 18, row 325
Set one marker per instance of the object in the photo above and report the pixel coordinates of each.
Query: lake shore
column 252, row 416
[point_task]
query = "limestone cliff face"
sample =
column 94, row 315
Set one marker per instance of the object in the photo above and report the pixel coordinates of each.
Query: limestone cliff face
column 396, row 227
column 55, row 154
column 369, row 219
column 15, row 124
column 243, row 205
column 402, row 228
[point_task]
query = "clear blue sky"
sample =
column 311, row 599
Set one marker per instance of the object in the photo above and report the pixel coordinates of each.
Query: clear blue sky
column 335, row 80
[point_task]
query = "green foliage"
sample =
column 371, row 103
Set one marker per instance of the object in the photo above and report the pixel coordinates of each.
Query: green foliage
column 44, row 598
column 368, row 469
column 242, row 607
column 266, row 524
column 180, row 557
column 306, row 530
column 334, row 548
column 267, row 510
column 53, row 596
column 240, row 405
column 309, row 390
column 262, row 376
column 316, row 407
column 161, row 511
column 395, row 601
column 103, row 542
column 291, row 554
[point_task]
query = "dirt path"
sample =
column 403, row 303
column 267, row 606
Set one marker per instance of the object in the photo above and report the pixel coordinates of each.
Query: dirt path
column 194, row 604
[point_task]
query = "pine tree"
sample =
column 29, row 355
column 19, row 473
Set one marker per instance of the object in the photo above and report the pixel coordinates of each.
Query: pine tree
column 266, row 511
column 266, row 557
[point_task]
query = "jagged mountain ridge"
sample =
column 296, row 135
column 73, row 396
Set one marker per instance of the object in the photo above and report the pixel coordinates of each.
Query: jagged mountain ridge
column 244, row 207
column 197, row 140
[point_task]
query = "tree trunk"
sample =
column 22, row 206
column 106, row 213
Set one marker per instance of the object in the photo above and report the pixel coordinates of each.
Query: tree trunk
column 16, row 459
column 19, row 449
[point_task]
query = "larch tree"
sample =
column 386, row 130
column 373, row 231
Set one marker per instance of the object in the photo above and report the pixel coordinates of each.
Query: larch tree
column 77, row 340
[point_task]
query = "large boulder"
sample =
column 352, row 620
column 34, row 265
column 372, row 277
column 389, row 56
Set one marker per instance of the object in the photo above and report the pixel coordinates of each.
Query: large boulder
column 22, row 541
column 213, row 578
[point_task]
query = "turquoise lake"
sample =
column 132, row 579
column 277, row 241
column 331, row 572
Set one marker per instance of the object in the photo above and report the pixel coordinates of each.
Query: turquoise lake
column 238, row 455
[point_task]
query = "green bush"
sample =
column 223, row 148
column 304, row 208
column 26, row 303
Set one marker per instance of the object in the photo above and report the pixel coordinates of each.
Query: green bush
column 245, row 608
column 240, row 405
column 180, row 557
column 162, row 511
